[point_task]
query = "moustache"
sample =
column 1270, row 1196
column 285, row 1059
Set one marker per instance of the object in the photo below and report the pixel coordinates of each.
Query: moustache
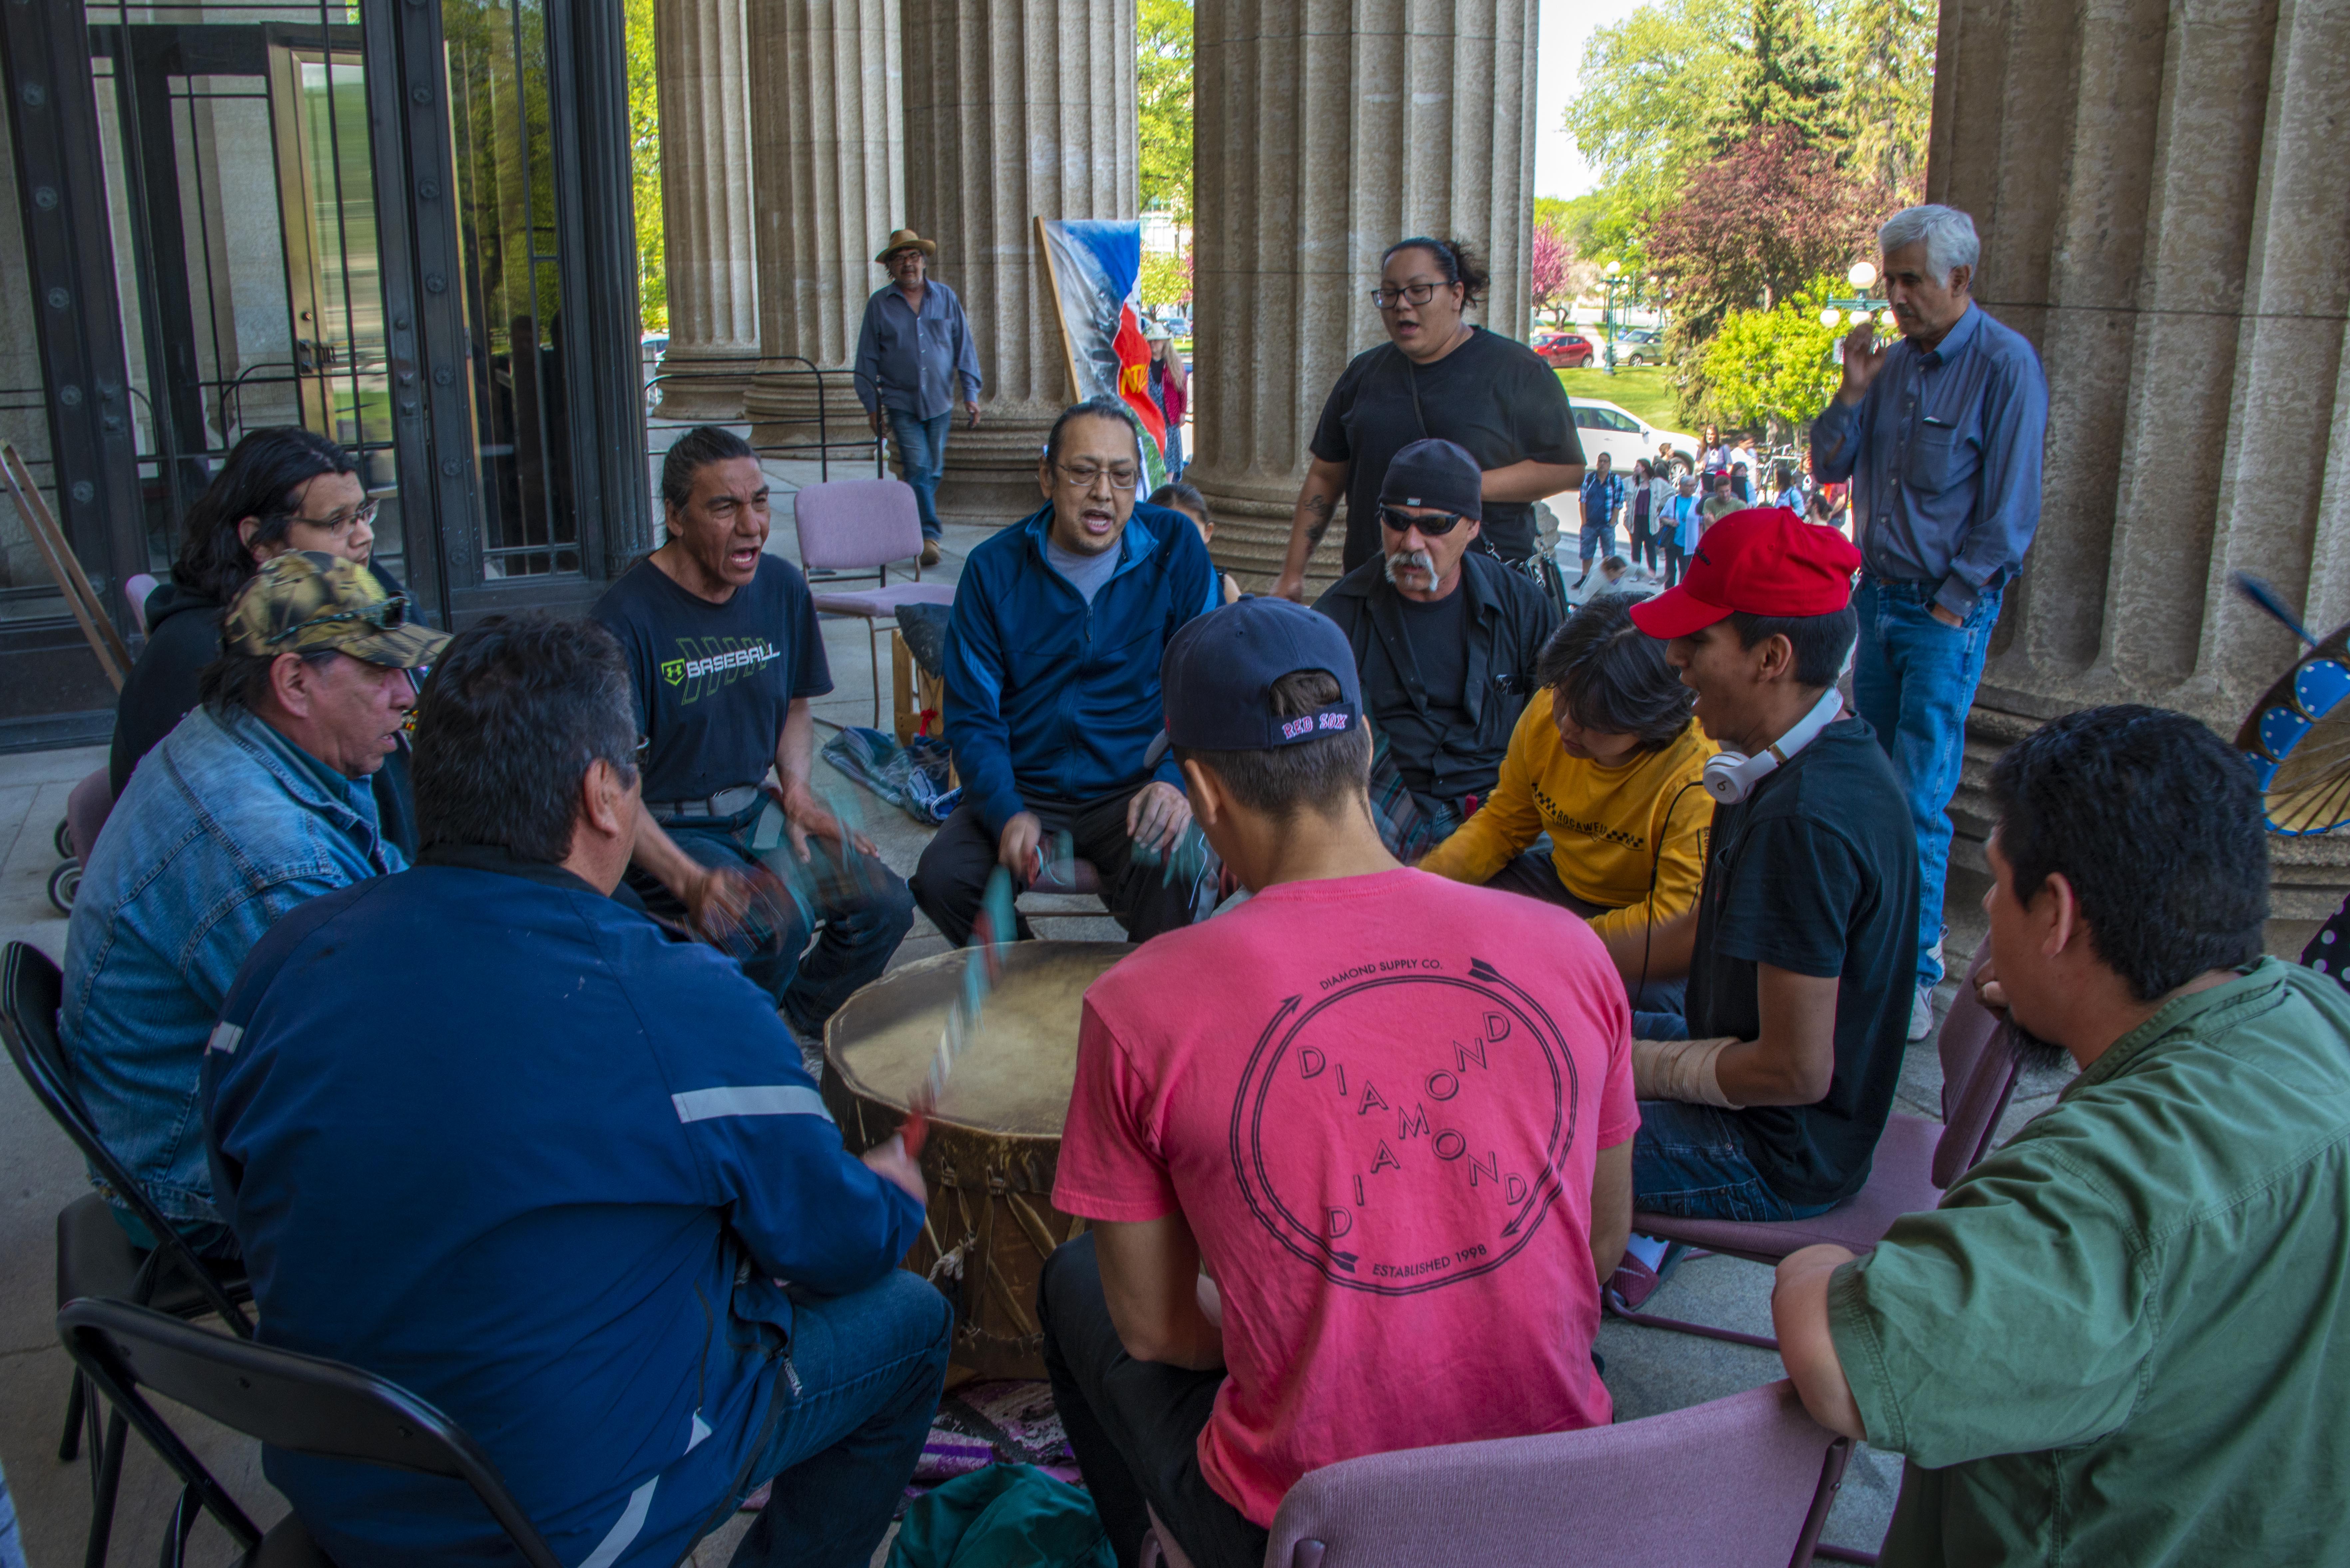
column 1419, row 561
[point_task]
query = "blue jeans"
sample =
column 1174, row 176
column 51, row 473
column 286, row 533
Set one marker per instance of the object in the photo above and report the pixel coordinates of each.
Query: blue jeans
column 922, row 454
column 842, row 1447
column 1692, row 1161
column 1913, row 680
column 864, row 907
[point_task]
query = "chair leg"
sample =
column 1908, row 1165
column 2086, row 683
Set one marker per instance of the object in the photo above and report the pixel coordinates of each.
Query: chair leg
column 70, row 1445
column 873, row 648
column 106, row 1479
column 1830, row 1552
column 1705, row 1331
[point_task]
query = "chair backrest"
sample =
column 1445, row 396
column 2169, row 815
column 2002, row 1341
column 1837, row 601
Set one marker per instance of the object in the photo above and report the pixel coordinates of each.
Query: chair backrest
column 302, row 1403
column 856, row 525
column 1980, row 1067
column 31, row 992
column 1750, row 1478
column 135, row 588
column 87, row 809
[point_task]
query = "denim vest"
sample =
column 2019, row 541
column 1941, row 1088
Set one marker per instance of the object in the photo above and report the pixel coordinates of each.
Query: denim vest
column 223, row 827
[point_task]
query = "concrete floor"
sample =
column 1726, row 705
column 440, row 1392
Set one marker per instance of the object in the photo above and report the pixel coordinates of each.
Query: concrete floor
column 1647, row 1371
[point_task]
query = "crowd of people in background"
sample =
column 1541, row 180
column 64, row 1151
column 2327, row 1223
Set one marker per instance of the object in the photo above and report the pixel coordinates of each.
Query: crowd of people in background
column 498, row 1068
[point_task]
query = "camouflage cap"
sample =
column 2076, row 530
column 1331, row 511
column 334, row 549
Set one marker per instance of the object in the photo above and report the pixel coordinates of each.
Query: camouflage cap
column 306, row 600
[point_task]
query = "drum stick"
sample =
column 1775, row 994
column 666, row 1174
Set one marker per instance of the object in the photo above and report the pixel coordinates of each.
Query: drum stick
column 992, row 934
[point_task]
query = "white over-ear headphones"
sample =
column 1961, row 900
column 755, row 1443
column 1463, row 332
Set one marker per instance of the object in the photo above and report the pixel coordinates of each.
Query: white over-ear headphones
column 1730, row 777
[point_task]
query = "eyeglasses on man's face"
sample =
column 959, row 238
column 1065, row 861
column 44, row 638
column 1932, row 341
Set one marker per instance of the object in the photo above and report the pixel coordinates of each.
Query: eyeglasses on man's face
column 1435, row 525
column 1409, row 294
column 1086, row 475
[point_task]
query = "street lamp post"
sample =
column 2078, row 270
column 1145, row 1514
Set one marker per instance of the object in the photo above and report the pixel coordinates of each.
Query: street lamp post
column 1615, row 278
column 1864, row 304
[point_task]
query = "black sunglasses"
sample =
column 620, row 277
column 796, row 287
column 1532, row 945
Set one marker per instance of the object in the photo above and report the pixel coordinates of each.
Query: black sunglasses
column 1435, row 528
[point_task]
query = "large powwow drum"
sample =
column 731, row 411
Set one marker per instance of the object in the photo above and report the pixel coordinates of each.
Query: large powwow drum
column 995, row 1133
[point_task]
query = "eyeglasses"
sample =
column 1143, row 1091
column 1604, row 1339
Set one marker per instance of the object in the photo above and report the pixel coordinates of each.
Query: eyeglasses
column 1436, row 525
column 1084, row 475
column 1409, row 294
column 384, row 615
column 341, row 522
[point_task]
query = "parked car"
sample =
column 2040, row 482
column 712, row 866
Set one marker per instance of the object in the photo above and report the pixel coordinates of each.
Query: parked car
column 1569, row 350
column 1625, row 438
column 1639, row 346
column 1178, row 325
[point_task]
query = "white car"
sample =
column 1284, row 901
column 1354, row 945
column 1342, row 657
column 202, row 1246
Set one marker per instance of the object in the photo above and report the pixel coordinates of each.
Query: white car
column 1621, row 434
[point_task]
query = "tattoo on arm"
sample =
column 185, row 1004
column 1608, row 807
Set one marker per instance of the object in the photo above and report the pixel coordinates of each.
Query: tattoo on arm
column 1319, row 507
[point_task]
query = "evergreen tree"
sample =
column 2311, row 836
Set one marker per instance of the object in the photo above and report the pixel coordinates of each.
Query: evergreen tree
column 1785, row 78
column 1887, row 62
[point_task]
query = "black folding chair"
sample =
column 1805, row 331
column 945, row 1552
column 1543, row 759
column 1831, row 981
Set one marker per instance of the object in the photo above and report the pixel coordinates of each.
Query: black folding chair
column 95, row 1255
column 301, row 1404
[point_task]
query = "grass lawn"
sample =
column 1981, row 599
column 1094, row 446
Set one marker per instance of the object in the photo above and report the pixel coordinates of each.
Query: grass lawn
column 1645, row 393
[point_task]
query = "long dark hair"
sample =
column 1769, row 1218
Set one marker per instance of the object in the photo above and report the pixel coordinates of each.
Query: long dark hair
column 258, row 480
column 1453, row 260
column 1615, row 675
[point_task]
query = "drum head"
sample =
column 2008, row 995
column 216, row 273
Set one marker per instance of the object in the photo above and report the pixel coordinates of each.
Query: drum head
column 1016, row 1075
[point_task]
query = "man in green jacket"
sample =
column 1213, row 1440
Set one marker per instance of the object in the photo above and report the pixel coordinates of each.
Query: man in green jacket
column 2115, row 1341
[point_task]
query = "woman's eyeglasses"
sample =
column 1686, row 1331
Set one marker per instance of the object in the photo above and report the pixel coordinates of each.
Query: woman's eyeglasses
column 1409, row 294
column 341, row 522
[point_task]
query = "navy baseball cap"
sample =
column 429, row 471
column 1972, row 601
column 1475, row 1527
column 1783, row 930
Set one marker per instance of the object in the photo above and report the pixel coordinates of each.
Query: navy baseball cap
column 1435, row 473
column 1218, row 670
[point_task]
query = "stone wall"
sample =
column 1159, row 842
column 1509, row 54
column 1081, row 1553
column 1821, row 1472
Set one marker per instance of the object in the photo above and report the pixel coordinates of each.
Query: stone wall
column 2159, row 191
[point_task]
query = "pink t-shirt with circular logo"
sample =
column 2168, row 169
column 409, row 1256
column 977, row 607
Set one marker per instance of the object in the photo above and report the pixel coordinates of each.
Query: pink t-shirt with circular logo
column 1377, row 1101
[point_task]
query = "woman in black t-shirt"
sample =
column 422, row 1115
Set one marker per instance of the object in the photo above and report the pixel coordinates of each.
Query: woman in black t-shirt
column 1437, row 377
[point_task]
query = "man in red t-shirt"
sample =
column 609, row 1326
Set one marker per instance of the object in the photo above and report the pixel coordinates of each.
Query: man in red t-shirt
column 1392, row 1115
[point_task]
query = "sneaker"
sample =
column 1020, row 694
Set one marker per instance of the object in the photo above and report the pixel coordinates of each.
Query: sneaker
column 929, row 552
column 1921, row 1015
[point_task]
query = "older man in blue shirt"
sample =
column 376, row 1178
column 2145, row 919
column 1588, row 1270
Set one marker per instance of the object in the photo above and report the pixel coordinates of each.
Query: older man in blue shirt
column 1941, row 435
column 914, row 346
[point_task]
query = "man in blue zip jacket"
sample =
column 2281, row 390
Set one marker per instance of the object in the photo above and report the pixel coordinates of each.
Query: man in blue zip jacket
column 575, row 1190
column 1052, row 677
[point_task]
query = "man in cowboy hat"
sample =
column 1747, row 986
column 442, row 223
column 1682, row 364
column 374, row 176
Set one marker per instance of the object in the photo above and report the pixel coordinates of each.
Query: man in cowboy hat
column 914, row 345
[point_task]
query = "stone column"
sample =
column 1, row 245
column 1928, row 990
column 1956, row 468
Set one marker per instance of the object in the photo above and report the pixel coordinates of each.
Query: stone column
column 704, row 74
column 828, row 124
column 1014, row 110
column 1323, row 134
column 2158, row 189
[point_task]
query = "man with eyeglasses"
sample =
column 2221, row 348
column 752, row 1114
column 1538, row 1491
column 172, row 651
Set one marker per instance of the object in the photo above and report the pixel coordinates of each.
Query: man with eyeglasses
column 1446, row 638
column 1053, row 694
column 259, row 801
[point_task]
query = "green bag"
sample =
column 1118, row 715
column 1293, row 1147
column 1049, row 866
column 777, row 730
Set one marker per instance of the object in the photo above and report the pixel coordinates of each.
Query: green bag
column 1006, row 1516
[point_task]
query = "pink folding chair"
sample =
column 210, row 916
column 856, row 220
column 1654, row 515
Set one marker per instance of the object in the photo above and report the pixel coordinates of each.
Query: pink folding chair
column 136, row 589
column 859, row 525
column 1915, row 1160
column 1741, row 1483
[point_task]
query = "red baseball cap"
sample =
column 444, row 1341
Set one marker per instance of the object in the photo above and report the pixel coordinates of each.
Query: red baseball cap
column 1764, row 560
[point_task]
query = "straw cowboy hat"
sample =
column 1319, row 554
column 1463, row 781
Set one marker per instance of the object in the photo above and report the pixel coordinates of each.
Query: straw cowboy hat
column 905, row 238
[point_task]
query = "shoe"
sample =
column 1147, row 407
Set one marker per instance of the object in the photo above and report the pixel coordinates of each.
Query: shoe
column 929, row 552
column 1921, row 1015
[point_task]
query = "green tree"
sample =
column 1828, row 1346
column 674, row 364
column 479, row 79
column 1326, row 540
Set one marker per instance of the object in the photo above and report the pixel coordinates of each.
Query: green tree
column 1166, row 279
column 1648, row 94
column 644, row 145
column 1886, row 59
column 1783, row 79
column 1773, row 366
column 1162, row 69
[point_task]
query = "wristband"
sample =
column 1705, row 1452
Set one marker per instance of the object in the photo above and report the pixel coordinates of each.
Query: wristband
column 1681, row 1070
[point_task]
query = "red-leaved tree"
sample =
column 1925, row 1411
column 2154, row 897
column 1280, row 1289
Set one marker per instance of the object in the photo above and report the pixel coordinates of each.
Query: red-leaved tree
column 1753, row 224
column 1549, row 265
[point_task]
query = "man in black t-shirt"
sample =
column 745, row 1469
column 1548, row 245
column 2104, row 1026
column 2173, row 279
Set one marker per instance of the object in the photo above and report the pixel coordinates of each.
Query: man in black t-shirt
column 1800, row 948
column 1436, row 378
column 725, row 652
column 1445, row 640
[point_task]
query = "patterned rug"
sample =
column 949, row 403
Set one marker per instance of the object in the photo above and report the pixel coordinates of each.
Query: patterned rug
column 981, row 1424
